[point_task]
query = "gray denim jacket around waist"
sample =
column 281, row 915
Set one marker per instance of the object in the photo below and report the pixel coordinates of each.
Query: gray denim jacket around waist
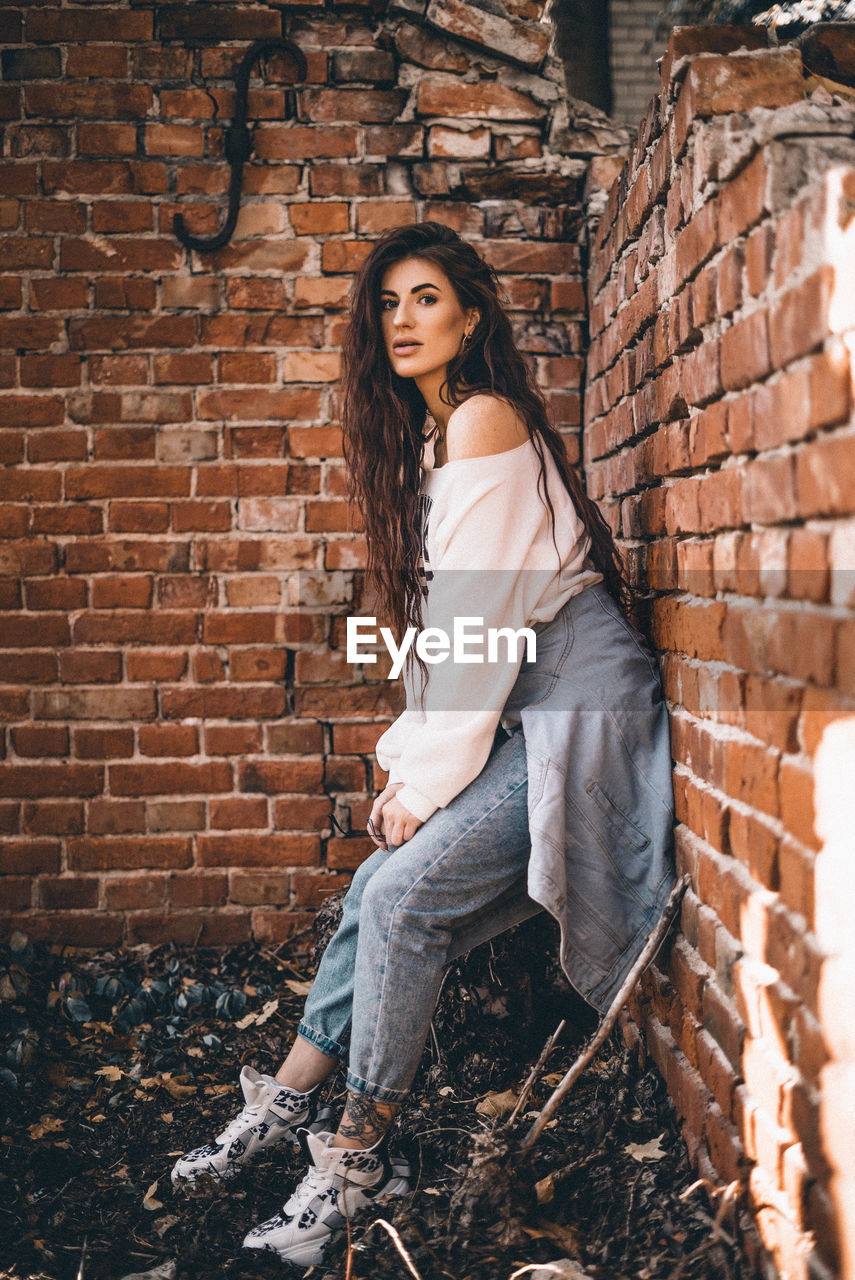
column 600, row 792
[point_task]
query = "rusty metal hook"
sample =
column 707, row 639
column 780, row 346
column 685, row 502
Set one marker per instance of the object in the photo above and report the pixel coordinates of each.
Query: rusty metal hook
column 238, row 143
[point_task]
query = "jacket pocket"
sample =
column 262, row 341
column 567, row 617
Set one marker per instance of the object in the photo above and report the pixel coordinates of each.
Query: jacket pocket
column 621, row 826
column 538, row 767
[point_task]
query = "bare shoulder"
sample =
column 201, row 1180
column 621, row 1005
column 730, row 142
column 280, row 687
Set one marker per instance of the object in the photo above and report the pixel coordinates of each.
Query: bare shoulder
column 482, row 425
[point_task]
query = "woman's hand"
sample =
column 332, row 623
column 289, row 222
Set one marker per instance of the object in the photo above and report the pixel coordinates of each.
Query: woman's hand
column 399, row 825
column 392, row 822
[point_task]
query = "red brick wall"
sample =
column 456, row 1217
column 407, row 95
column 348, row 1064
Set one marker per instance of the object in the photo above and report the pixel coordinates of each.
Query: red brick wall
column 177, row 717
column 719, row 438
column 178, row 720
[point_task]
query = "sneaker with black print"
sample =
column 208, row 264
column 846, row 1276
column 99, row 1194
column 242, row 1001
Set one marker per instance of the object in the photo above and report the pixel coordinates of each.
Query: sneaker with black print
column 272, row 1114
column 340, row 1180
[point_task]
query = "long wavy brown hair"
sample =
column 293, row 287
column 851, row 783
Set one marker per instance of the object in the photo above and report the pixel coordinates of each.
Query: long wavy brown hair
column 384, row 418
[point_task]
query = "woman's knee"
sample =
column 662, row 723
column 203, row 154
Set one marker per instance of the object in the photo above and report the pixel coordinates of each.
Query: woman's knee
column 397, row 900
column 362, row 876
column 378, row 899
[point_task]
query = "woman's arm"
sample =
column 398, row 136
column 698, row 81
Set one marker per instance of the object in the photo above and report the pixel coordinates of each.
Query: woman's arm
column 391, row 743
column 484, row 527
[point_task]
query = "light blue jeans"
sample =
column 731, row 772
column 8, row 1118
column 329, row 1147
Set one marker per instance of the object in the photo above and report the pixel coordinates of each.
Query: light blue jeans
column 409, row 912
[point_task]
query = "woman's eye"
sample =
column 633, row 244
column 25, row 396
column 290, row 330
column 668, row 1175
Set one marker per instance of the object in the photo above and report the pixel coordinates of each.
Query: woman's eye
column 390, row 302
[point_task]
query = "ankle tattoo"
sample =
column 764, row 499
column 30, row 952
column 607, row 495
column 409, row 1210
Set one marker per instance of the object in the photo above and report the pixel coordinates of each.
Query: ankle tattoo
column 366, row 1120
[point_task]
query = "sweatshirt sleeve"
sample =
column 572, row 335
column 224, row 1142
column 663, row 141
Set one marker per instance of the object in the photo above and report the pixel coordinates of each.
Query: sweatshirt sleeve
column 481, row 542
column 391, row 743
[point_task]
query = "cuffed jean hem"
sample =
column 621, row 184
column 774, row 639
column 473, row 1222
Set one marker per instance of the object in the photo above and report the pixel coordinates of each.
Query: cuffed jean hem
column 355, row 1084
column 317, row 1038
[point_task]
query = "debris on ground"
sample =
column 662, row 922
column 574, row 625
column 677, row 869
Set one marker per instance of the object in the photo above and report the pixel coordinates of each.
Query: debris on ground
column 114, row 1063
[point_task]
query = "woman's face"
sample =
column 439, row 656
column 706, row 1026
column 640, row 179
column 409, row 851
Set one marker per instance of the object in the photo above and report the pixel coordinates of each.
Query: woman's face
column 418, row 307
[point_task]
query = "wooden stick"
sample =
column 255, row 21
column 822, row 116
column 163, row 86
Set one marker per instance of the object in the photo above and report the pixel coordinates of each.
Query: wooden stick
column 398, row 1243
column 82, row 1258
column 609, row 1018
column 535, row 1072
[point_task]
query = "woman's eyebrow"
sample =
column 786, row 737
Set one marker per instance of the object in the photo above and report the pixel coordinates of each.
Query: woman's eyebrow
column 415, row 289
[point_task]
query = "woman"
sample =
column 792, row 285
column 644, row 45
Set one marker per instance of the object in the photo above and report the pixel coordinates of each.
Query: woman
column 515, row 782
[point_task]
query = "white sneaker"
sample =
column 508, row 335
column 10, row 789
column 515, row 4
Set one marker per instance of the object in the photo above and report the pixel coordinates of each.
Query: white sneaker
column 339, row 1181
column 272, row 1114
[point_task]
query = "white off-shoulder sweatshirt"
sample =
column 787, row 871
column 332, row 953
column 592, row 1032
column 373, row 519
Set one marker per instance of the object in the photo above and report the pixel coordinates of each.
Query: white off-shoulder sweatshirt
column 487, row 553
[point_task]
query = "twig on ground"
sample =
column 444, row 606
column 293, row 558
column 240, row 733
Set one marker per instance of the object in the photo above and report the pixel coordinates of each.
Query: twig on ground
column 609, row 1018
column 435, row 1042
column 541, row 1266
column 398, row 1243
column 433, row 1036
column 629, row 1204
column 728, row 1192
column 706, row 1246
column 446, row 1128
column 82, row 1259
column 536, row 1070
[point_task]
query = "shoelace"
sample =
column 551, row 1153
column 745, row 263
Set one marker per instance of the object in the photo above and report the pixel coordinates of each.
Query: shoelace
column 312, row 1182
column 250, row 1114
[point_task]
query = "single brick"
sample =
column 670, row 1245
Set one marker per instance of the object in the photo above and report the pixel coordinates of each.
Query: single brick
column 31, row 64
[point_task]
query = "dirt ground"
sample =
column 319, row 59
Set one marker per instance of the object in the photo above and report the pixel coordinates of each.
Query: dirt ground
column 115, row 1063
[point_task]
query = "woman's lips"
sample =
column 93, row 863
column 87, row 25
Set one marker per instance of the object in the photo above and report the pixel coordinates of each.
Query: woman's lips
column 406, row 349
